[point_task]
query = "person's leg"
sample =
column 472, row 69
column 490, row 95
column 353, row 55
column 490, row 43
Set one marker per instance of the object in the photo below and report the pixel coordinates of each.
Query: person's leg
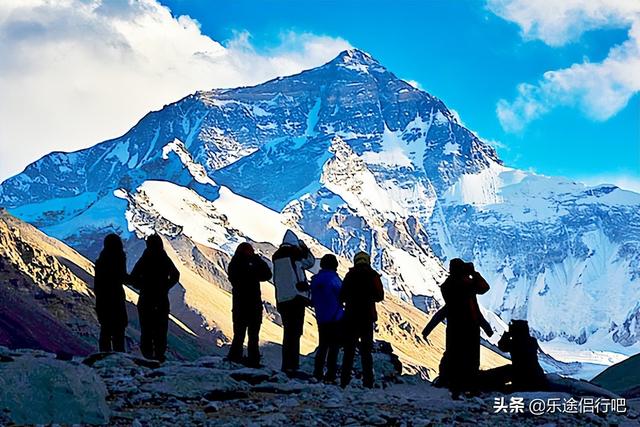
column 146, row 330
column 118, row 339
column 104, row 342
column 495, row 379
column 334, row 348
column 321, row 351
column 366, row 348
column 253, row 346
column 239, row 331
column 285, row 315
column 298, row 320
column 160, row 339
column 347, row 357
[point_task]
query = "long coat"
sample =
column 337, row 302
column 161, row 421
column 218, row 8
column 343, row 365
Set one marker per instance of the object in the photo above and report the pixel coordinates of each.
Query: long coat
column 110, row 276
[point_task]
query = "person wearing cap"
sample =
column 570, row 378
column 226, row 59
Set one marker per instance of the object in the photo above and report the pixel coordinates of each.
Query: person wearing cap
column 246, row 270
column 290, row 261
column 325, row 296
column 361, row 290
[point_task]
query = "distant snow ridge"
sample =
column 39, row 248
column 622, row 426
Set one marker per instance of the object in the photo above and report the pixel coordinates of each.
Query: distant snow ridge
column 359, row 160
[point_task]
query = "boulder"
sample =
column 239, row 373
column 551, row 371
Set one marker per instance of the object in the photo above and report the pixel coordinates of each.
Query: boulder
column 36, row 390
column 193, row 382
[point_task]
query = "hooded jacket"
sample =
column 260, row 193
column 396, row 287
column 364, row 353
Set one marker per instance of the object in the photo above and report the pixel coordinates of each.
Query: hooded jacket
column 289, row 263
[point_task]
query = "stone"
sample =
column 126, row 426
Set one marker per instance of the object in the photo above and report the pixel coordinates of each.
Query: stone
column 188, row 382
column 43, row 390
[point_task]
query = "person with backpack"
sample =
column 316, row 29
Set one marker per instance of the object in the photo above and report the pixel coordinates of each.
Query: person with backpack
column 290, row 261
column 325, row 296
column 246, row 270
column 154, row 275
column 110, row 276
column 361, row 290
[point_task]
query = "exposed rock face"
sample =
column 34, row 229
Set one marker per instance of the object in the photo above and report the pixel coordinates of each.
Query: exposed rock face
column 47, row 301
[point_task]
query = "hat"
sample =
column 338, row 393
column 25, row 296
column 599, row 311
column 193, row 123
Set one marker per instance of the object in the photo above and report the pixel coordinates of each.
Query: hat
column 456, row 266
column 361, row 258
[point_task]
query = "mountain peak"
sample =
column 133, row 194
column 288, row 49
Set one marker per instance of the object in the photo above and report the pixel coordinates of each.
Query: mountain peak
column 356, row 59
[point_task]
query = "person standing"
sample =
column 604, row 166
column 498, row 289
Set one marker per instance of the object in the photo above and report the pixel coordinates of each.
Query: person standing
column 110, row 276
column 361, row 290
column 154, row 275
column 464, row 319
column 292, row 295
column 325, row 296
column 246, row 270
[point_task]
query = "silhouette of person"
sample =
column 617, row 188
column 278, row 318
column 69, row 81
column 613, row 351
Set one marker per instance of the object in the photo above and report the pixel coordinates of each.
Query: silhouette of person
column 524, row 373
column 325, row 296
column 154, row 275
column 361, row 290
column 110, row 276
column 246, row 270
column 462, row 353
column 292, row 295
column 440, row 316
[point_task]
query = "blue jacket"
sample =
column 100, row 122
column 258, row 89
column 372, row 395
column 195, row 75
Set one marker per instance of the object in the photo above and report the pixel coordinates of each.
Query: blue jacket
column 325, row 296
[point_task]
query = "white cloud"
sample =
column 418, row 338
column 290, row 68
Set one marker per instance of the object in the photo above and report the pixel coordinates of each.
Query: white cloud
column 76, row 72
column 599, row 89
column 558, row 22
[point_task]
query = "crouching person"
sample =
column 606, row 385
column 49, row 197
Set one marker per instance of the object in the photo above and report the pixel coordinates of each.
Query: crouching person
column 525, row 372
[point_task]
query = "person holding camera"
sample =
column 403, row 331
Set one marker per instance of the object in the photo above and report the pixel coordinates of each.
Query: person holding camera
column 246, row 270
column 290, row 261
column 464, row 320
column 525, row 372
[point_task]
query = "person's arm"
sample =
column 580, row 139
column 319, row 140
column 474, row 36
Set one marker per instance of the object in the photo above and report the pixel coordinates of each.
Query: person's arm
column 232, row 271
column 336, row 286
column 344, row 291
column 504, row 343
column 174, row 274
column 480, row 284
column 438, row 317
column 484, row 324
column 135, row 278
column 307, row 260
column 263, row 272
column 378, row 290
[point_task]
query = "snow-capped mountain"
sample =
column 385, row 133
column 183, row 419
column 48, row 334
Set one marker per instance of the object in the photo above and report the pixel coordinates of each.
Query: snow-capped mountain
column 357, row 159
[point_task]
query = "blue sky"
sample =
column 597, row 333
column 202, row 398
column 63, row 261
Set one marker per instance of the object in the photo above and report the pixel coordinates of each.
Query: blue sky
column 468, row 56
column 554, row 89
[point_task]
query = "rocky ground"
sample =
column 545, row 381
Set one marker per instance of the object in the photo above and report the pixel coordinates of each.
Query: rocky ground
column 122, row 389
